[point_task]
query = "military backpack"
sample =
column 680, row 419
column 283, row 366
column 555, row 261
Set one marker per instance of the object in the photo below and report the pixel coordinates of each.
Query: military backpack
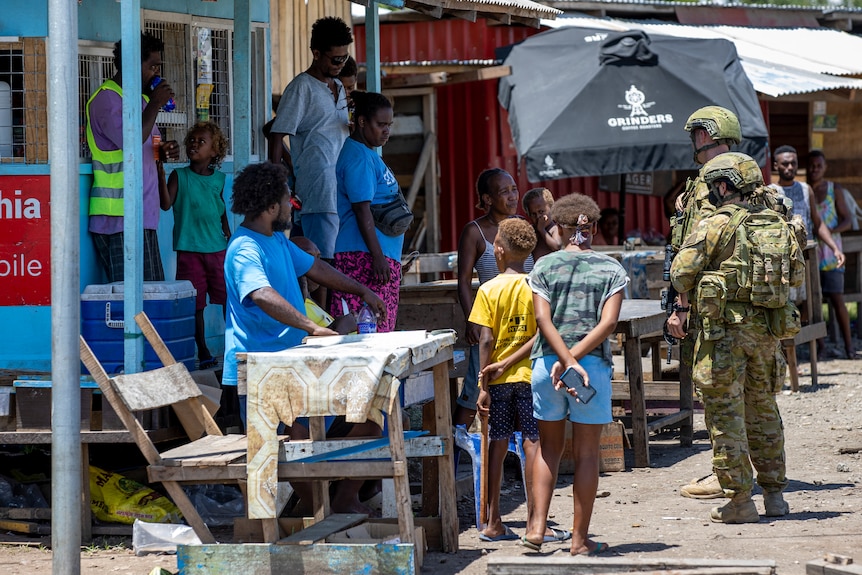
column 761, row 269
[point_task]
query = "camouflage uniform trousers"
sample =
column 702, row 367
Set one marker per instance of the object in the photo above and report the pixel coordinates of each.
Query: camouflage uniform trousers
column 738, row 377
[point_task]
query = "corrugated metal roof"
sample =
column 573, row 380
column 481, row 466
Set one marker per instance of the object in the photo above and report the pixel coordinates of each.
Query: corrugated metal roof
column 778, row 61
column 521, row 4
column 827, row 9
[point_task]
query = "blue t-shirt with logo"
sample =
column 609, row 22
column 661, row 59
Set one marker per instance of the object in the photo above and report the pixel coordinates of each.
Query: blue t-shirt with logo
column 363, row 177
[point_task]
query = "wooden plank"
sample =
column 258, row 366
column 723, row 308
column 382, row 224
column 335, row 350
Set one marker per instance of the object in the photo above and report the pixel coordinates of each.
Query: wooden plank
column 446, row 463
column 333, row 470
column 568, row 565
column 668, row 420
column 36, row 101
column 653, row 390
column 403, row 501
column 216, row 474
column 320, row 559
column 209, row 450
column 26, row 513
column 640, row 434
column 824, row 567
column 422, row 165
column 44, row 437
column 426, row 446
column 27, row 527
column 489, row 73
column 323, row 529
column 156, row 388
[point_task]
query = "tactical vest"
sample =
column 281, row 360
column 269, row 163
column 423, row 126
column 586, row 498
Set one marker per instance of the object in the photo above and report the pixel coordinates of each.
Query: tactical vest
column 106, row 195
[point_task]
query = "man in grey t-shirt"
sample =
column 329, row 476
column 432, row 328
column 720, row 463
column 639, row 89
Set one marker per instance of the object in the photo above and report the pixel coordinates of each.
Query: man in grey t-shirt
column 313, row 112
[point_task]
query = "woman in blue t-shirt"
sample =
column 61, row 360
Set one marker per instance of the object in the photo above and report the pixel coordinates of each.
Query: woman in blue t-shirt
column 362, row 251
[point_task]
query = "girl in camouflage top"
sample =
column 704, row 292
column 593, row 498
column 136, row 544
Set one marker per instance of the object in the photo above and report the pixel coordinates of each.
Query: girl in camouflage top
column 577, row 295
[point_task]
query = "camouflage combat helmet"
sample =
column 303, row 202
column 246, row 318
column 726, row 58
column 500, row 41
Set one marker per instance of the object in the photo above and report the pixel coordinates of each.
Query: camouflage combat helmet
column 740, row 169
column 720, row 123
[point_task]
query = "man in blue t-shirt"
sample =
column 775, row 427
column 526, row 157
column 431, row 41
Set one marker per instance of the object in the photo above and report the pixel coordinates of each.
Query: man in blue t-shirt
column 265, row 306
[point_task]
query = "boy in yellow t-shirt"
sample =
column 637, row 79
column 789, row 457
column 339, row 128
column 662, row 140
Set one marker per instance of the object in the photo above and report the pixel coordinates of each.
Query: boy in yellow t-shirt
column 504, row 310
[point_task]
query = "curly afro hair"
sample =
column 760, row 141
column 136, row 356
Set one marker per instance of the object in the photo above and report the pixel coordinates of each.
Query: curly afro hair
column 517, row 237
column 257, row 187
column 534, row 194
column 567, row 209
column 219, row 142
column 329, row 32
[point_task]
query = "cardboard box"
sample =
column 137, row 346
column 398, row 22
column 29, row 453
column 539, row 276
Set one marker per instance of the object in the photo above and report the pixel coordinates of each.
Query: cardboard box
column 612, row 456
column 371, row 533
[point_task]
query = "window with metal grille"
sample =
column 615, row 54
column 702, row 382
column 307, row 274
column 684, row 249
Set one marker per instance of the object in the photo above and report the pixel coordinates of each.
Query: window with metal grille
column 179, row 69
column 23, row 102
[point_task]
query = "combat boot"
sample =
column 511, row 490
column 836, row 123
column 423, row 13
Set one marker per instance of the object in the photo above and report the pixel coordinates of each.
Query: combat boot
column 704, row 488
column 740, row 509
column 775, row 504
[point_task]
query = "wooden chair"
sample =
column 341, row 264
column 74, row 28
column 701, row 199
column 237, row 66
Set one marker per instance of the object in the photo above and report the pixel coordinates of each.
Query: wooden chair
column 210, row 457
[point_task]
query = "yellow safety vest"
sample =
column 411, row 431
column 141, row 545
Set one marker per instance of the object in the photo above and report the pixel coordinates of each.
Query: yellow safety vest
column 106, row 195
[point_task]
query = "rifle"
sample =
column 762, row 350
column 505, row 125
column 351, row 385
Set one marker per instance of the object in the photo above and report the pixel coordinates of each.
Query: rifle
column 668, row 296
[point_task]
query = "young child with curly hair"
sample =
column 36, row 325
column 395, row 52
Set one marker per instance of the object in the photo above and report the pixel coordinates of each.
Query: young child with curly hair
column 537, row 205
column 201, row 229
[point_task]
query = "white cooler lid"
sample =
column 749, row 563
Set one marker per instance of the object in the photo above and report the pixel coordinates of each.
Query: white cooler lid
column 179, row 289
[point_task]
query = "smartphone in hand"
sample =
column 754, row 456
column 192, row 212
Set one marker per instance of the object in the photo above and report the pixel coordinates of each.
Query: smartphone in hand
column 574, row 380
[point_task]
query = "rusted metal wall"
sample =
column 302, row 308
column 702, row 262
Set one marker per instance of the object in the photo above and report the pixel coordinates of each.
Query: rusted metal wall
column 472, row 128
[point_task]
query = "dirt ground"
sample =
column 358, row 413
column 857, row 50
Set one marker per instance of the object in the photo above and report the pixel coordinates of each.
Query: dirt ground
column 643, row 517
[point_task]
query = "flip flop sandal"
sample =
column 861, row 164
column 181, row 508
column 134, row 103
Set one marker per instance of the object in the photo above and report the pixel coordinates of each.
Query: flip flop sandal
column 558, row 535
column 600, row 548
column 524, row 542
column 506, row 535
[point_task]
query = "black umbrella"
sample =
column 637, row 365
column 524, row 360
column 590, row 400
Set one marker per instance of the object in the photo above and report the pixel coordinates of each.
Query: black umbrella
column 585, row 102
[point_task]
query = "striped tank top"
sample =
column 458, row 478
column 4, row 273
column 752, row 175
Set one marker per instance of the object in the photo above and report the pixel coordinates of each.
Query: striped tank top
column 486, row 264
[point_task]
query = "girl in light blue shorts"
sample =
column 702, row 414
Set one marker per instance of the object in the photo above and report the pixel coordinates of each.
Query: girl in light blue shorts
column 550, row 404
column 577, row 295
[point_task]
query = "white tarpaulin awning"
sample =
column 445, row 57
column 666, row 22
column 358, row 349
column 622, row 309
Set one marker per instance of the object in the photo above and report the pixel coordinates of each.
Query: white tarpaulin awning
column 778, row 61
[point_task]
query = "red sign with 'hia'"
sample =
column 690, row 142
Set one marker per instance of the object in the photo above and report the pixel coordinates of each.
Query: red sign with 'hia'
column 25, row 240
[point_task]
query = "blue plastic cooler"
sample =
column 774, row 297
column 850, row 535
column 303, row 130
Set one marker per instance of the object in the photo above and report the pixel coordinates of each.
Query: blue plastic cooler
column 170, row 307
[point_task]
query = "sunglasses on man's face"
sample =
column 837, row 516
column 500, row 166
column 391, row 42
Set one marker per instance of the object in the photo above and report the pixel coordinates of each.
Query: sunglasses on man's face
column 338, row 60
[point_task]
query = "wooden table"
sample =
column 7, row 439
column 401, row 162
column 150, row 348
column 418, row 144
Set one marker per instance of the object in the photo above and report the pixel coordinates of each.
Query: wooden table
column 640, row 317
column 324, row 377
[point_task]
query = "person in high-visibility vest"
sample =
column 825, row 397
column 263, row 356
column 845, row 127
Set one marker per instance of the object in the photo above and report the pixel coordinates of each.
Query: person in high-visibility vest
column 105, row 138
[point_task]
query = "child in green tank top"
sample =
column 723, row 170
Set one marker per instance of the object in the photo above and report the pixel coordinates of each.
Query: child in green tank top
column 201, row 229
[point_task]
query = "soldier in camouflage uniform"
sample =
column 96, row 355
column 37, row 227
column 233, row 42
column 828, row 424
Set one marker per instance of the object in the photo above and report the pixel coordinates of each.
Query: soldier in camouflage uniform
column 738, row 361
column 713, row 131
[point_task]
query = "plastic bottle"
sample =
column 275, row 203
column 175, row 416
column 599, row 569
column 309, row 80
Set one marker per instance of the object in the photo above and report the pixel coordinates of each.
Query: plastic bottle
column 366, row 321
column 170, row 106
